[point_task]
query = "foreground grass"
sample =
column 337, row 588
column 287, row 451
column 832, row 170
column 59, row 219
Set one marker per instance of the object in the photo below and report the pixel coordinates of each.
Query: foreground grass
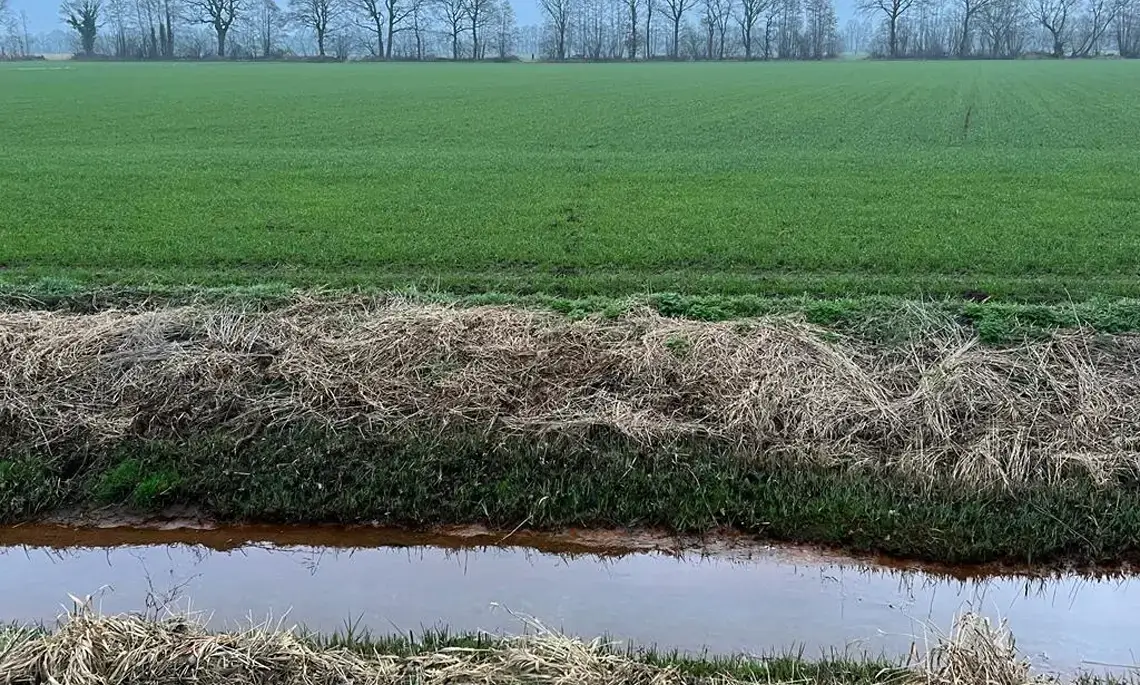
column 835, row 179
column 179, row 649
column 297, row 476
column 837, row 669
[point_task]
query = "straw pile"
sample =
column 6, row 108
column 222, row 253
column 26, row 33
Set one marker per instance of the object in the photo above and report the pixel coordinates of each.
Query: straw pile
column 942, row 405
column 88, row 649
column 108, row 650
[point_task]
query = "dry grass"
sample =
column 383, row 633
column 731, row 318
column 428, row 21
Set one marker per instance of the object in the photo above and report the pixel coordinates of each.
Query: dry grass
column 89, row 649
column 978, row 652
column 943, row 405
column 102, row 650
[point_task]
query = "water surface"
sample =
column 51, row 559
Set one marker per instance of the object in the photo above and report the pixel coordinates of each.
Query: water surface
column 727, row 602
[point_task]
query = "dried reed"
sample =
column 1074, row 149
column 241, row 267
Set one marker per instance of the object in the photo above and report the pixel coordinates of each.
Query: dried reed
column 943, row 405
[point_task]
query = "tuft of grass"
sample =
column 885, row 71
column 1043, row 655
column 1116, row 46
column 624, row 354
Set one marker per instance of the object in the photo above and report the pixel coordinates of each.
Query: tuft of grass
column 133, row 482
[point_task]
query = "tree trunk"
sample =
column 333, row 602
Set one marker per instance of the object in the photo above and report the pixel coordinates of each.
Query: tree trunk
column 387, row 52
column 893, row 38
column 648, row 29
column 677, row 38
column 633, row 30
column 320, row 43
column 964, row 44
column 169, row 32
column 379, row 37
column 221, row 40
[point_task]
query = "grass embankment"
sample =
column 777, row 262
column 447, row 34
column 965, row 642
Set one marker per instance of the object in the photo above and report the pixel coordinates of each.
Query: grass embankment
column 840, row 179
column 89, row 649
column 406, row 413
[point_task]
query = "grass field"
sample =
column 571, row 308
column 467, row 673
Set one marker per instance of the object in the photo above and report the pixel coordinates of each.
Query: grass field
column 1016, row 178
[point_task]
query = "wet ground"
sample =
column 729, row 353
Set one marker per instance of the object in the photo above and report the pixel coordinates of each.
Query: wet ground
column 735, row 597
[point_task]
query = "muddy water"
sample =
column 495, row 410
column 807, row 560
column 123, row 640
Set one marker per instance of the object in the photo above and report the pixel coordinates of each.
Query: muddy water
column 738, row 599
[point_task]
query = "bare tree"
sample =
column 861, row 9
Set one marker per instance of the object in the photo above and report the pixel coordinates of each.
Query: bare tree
column 559, row 13
column 715, row 17
column 892, row 10
column 454, row 17
column 856, row 34
column 399, row 13
column 1099, row 16
column 478, row 14
column 649, row 5
column 675, row 11
column 1055, row 16
column 270, row 21
column 1002, row 24
column 317, row 15
column 750, row 12
column 822, row 29
column 505, row 30
column 149, row 47
column 968, row 11
column 419, row 25
column 169, row 10
column 219, row 14
column 375, row 23
column 1128, row 30
column 632, row 38
column 84, row 17
column 790, row 29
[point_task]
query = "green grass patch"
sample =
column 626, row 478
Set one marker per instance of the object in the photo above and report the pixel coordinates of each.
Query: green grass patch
column 302, row 476
column 884, row 319
column 132, row 482
column 836, row 179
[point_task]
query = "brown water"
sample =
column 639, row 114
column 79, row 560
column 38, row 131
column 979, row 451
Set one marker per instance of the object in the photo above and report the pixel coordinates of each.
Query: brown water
column 738, row 599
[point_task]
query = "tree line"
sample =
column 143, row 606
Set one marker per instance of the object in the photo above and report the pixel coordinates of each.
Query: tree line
column 587, row 29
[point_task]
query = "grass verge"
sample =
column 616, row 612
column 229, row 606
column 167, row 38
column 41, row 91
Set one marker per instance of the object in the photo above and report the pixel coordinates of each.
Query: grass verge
column 413, row 414
column 608, row 481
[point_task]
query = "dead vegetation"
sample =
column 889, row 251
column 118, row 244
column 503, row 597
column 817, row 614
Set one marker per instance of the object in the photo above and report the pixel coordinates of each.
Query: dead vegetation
column 89, row 649
column 943, row 405
column 976, row 651
column 101, row 650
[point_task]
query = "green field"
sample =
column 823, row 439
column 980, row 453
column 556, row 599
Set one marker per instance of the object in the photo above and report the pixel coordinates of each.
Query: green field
column 1018, row 178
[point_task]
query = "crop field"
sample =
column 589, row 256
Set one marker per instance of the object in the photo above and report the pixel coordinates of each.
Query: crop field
column 1017, row 178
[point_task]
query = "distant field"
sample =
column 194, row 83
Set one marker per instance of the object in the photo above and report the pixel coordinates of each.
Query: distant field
column 1020, row 178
